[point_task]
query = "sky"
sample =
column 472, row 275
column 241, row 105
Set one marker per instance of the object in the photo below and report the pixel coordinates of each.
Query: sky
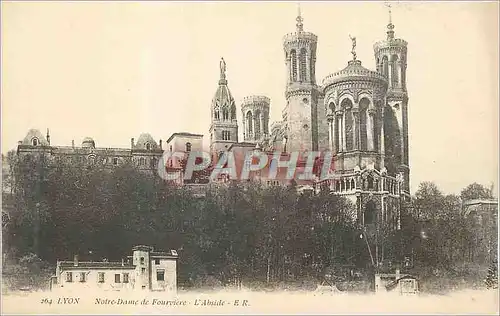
column 113, row 70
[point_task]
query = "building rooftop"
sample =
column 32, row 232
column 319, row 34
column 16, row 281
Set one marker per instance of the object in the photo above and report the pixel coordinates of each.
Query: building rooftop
column 481, row 201
column 353, row 71
column 95, row 265
column 183, row 134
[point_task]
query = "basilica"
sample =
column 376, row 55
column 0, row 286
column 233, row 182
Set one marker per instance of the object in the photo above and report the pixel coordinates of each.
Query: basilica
column 357, row 114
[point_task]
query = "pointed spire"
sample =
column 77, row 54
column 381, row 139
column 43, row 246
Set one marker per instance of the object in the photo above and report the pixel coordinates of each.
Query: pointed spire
column 390, row 26
column 299, row 19
column 48, row 136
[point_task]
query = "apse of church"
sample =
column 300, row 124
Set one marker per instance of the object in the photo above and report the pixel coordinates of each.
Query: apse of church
column 358, row 114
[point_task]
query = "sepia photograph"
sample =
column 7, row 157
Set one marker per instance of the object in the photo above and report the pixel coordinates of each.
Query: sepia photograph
column 249, row 157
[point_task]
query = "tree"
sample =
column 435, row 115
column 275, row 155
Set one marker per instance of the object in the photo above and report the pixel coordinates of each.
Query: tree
column 491, row 280
column 476, row 191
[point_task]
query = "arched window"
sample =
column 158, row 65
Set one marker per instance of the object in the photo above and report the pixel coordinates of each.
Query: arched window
column 257, row 122
column 293, row 60
column 385, row 66
column 392, row 136
column 303, row 65
column 336, row 135
column 34, row 141
column 225, row 113
column 370, row 182
column 188, row 147
column 226, row 135
column 348, row 121
column 153, row 162
column 233, row 111
column 331, row 108
column 353, row 185
column 403, row 77
column 363, row 118
column 370, row 213
column 216, row 114
column 142, row 161
column 148, row 146
column 394, row 71
column 249, row 122
column 265, row 127
column 376, row 128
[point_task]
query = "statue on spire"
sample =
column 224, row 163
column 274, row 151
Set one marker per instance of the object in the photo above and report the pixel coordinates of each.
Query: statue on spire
column 222, row 68
column 353, row 51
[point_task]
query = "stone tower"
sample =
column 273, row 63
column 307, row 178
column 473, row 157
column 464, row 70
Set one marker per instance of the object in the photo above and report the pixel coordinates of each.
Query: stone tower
column 390, row 56
column 300, row 115
column 224, row 125
column 255, row 114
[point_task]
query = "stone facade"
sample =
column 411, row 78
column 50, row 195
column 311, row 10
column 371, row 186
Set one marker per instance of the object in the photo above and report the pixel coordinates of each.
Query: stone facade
column 145, row 153
column 255, row 114
column 185, row 142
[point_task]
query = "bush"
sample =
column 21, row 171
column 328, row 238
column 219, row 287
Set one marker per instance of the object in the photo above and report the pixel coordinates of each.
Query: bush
column 28, row 273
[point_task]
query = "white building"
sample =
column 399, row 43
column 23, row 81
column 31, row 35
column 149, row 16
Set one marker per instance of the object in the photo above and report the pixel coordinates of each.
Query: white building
column 146, row 269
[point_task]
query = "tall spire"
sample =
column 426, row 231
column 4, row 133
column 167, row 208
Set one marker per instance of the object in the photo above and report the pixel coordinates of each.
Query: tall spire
column 390, row 26
column 299, row 19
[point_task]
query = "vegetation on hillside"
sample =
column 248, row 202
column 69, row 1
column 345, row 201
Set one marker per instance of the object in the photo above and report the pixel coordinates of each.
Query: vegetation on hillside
column 234, row 233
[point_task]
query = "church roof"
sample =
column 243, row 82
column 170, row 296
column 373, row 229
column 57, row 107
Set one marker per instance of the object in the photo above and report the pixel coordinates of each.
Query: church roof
column 186, row 134
column 144, row 139
column 353, row 71
column 223, row 96
column 34, row 133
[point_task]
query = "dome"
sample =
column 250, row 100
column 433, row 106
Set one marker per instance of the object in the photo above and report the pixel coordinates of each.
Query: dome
column 88, row 142
column 354, row 72
column 146, row 141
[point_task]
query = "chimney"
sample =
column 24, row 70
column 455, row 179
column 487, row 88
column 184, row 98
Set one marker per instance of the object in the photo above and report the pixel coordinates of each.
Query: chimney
column 48, row 136
column 73, row 143
column 123, row 263
column 75, row 260
column 132, row 143
column 398, row 275
column 161, row 144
